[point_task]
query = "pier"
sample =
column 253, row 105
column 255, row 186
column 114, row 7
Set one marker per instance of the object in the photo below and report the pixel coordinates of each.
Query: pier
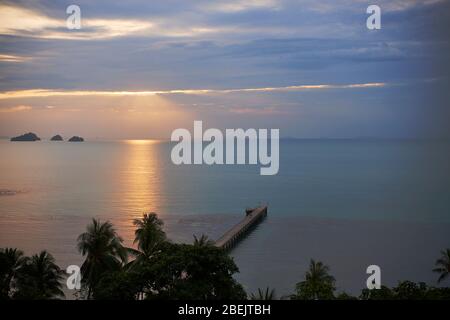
column 236, row 233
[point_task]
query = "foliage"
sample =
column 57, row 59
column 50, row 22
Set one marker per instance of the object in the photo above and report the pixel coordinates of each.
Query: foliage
column 318, row 283
column 345, row 296
column 11, row 262
column 181, row 271
column 39, row 278
column 443, row 265
column 103, row 250
column 149, row 233
column 197, row 272
column 164, row 270
column 150, row 239
column 267, row 294
column 202, row 241
column 407, row 290
column 118, row 285
column 384, row 293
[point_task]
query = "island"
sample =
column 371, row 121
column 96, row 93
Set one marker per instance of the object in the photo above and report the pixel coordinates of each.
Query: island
column 76, row 139
column 30, row 136
column 57, row 138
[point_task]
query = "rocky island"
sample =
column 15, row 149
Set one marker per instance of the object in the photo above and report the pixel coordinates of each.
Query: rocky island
column 30, row 136
column 57, row 138
column 76, row 139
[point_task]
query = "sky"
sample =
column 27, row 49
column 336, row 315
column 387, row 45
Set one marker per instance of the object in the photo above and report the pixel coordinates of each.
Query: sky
column 140, row 69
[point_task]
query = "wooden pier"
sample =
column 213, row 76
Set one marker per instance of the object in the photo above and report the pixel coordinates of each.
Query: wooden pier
column 235, row 234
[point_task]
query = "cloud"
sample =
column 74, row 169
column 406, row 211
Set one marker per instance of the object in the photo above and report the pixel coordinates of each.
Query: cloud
column 13, row 58
column 233, row 6
column 268, row 111
column 15, row 109
column 401, row 5
column 20, row 21
column 329, row 6
column 239, row 55
column 24, row 22
column 194, row 19
column 41, row 93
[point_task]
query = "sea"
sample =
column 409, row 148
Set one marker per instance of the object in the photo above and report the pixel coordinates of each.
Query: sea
column 349, row 203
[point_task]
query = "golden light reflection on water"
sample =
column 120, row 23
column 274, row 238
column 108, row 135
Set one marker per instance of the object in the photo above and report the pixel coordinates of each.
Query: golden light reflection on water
column 113, row 181
column 142, row 177
column 142, row 182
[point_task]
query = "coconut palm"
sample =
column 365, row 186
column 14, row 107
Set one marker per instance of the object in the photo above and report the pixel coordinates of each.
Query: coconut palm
column 11, row 261
column 266, row 294
column 103, row 250
column 39, row 278
column 149, row 233
column 318, row 283
column 202, row 241
column 443, row 265
column 149, row 237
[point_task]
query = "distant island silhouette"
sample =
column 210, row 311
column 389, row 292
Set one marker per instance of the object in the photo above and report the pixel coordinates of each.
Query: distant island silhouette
column 30, row 136
column 57, row 138
column 76, row 139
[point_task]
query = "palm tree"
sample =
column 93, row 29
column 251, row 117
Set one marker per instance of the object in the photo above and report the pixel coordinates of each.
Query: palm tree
column 40, row 278
column 203, row 241
column 266, row 294
column 149, row 237
column 11, row 262
column 149, row 233
column 103, row 250
column 443, row 265
column 318, row 283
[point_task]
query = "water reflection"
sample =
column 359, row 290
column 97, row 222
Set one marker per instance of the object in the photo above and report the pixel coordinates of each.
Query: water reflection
column 141, row 182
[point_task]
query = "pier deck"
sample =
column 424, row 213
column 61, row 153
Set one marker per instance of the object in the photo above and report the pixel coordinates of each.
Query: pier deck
column 232, row 236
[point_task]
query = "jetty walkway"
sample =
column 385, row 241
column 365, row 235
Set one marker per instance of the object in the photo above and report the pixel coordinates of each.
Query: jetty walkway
column 236, row 233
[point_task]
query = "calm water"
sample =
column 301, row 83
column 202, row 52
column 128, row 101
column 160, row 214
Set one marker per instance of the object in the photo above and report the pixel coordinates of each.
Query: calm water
column 347, row 203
